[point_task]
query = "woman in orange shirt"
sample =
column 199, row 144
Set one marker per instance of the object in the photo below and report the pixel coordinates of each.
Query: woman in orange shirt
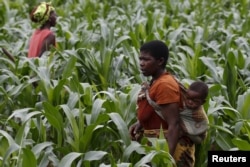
column 43, row 38
column 164, row 90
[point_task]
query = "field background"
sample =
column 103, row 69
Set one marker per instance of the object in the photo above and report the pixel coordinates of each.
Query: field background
column 74, row 107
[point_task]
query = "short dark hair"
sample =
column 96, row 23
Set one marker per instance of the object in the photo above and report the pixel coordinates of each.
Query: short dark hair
column 200, row 87
column 157, row 49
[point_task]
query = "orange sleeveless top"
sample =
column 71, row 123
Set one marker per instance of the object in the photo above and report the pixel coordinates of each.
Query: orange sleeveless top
column 36, row 42
column 164, row 90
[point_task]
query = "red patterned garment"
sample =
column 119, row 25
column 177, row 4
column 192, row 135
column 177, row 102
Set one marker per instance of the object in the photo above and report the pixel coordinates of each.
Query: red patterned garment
column 36, row 42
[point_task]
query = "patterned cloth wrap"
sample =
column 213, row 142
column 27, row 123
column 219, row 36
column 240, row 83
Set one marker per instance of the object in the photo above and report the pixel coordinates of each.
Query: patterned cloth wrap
column 41, row 13
column 193, row 123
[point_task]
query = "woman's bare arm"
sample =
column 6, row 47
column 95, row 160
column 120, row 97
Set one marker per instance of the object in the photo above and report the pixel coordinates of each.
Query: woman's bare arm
column 171, row 114
column 49, row 41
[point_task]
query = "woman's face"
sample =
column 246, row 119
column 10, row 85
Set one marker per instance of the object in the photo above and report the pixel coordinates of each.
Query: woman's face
column 149, row 66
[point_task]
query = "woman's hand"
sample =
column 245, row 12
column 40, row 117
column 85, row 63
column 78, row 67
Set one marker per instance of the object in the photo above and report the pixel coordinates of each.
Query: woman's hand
column 135, row 130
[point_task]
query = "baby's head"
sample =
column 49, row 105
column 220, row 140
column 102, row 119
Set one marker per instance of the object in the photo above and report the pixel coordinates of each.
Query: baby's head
column 196, row 95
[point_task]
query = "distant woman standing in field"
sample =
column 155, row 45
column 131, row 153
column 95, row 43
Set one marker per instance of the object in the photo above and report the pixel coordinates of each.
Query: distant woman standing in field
column 42, row 38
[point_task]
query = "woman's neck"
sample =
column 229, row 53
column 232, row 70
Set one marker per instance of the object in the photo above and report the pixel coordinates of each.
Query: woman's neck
column 157, row 75
column 45, row 26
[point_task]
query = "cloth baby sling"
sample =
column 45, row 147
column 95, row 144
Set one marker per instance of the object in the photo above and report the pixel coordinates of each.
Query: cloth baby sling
column 194, row 123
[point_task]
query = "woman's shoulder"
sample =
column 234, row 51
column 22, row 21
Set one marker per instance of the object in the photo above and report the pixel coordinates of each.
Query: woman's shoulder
column 43, row 32
column 165, row 90
column 46, row 30
column 167, row 80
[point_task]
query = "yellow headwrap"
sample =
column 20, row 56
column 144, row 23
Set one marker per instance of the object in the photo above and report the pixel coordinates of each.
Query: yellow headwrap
column 41, row 13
